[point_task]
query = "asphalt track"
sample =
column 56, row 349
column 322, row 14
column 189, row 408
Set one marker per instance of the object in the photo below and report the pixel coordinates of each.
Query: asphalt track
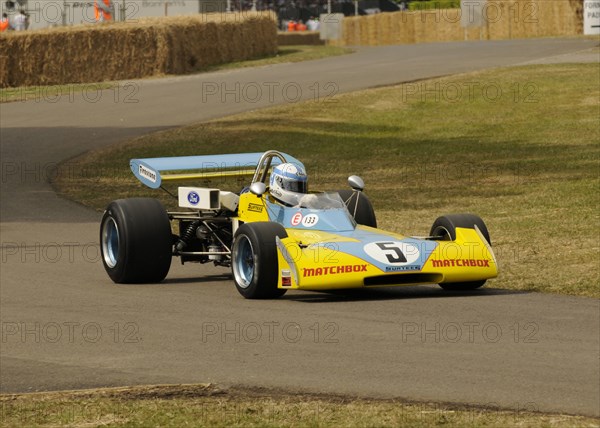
column 65, row 325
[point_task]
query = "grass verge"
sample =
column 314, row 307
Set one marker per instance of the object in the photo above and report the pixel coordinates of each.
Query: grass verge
column 517, row 146
column 284, row 54
column 206, row 405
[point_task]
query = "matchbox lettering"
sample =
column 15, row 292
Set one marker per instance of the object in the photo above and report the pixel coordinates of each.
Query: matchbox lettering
column 147, row 173
column 333, row 270
column 461, row 263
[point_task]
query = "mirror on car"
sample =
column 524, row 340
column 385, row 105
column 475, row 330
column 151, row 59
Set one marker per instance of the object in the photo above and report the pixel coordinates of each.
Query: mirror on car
column 356, row 182
column 258, row 188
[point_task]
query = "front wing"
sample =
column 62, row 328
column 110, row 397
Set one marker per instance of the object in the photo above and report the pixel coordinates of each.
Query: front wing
column 368, row 257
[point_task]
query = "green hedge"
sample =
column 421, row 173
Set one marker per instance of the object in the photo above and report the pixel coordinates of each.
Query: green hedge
column 434, row 4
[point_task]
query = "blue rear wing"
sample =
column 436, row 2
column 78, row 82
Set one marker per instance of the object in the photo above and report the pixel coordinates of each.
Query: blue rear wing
column 153, row 171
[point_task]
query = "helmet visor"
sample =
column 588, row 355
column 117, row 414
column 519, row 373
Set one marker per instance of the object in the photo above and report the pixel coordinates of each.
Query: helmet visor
column 291, row 185
column 296, row 186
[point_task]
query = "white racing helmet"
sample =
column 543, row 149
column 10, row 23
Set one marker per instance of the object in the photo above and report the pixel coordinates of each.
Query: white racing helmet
column 288, row 183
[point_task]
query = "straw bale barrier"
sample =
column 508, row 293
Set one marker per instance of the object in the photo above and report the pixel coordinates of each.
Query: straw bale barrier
column 148, row 47
column 296, row 38
column 507, row 19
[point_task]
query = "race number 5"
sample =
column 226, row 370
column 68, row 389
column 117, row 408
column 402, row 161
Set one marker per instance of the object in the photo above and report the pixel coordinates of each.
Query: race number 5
column 392, row 252
column 395, row 253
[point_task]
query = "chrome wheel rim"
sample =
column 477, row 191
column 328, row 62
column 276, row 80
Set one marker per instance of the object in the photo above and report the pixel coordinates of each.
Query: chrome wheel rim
column 110, row 242
column 243, row 262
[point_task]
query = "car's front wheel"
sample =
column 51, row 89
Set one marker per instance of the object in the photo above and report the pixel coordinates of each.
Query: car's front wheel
column 444, row 228
column 254, row 260
column 136, row 241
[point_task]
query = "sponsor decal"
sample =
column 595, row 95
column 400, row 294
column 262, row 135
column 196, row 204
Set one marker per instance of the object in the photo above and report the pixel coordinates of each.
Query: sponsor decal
column 310, row 220
column 193, row 198
column 147, row 173
column 255, row 208
column 461, row 263
column 296, row 219
column 401, row 268
column 333, row 270
column 396, row 253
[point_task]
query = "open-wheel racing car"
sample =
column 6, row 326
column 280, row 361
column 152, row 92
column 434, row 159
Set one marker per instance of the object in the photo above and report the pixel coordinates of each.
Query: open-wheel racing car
column 276, row 236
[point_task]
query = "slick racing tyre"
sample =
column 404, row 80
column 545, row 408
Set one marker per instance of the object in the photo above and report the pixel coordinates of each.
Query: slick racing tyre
column 254, row 260
column 445, row 228
column 359, row 206
column 136, row 241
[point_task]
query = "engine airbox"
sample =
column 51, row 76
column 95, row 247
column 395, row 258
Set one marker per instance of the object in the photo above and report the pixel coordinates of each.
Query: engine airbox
column 199, row 198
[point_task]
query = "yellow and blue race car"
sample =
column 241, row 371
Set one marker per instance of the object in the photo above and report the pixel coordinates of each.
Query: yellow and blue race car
column 276, row 236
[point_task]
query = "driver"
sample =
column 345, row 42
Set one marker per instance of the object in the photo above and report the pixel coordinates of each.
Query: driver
column 288, row 183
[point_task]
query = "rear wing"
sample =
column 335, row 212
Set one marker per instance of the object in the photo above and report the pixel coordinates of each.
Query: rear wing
column 154, row 171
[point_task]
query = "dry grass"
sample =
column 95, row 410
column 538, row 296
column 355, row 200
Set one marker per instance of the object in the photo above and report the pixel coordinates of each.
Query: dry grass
column 205, row 405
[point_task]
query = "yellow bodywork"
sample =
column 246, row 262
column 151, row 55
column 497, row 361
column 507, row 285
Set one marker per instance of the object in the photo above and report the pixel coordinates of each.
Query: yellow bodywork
column 252, row 208
column 316, row 264
column 312, row 259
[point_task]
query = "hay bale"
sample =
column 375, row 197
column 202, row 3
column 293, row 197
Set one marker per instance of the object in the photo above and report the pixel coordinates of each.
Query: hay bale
column 349, row 37
column 559, row 17
column 406, row 24
column 372, row 30
column 508, row 19
column 363, row 30
column 449, row 28
column 3, row 69
column 148, row 47
column 295, row 38
column 384, row 27
column 424, row 26
column 354, row 31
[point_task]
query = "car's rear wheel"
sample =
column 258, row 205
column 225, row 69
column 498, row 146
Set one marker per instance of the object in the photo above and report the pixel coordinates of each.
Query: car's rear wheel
column 444, row 228
column 359, row 206
column 136, row 241
column 254, row 260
